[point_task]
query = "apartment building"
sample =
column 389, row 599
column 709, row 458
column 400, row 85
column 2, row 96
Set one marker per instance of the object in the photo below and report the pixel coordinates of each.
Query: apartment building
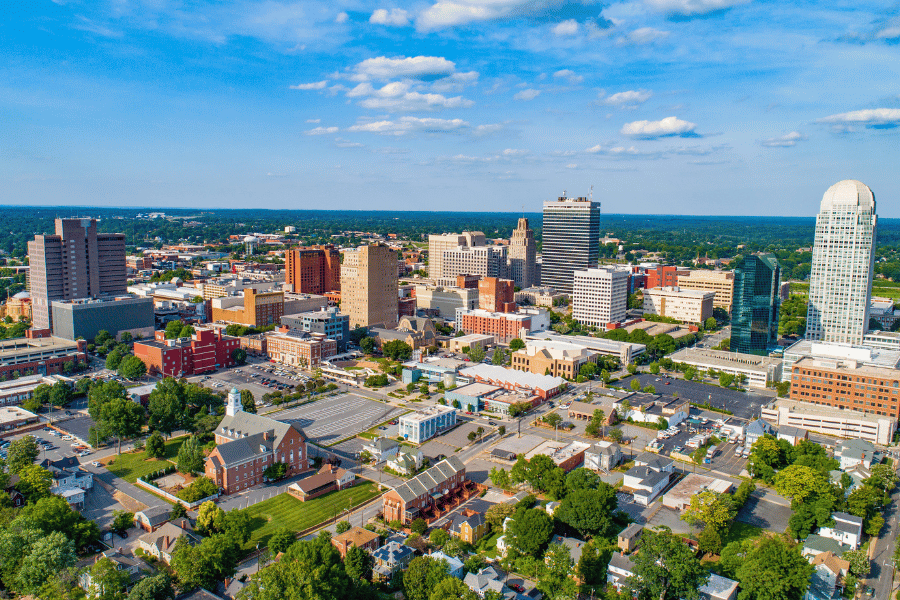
column 75, row 262
column 437, row 244
column 314, row 270
column 720, row 282
column 481, row 261
column 687, row 306
column 417, row 496
column 496, row 295
column 557, row 359
column 251, row 308
column 206, row 350
column 300, row 349
column 600, row 296
column 503, row 326
column 440, row 301
column 369, row 286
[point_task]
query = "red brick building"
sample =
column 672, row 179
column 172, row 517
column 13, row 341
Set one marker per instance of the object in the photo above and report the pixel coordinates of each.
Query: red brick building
column 497, row 295
column 356, row 536
column 503, row 326
column 206, row 350
column 247, row 444
column 664, row 276
column 314, row 270
column 418, row 495
column 299, row 349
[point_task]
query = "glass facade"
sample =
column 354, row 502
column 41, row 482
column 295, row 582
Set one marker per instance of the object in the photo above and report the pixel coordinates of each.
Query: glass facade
column 571, row 241
column 755, row 303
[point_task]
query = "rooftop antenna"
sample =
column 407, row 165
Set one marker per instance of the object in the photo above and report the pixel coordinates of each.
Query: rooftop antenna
column 564, row 194
column 592, row 194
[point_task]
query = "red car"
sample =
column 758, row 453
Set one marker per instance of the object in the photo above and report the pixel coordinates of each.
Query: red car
column 517, row 587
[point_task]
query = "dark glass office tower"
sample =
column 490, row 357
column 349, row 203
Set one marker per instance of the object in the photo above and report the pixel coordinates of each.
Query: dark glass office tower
column 571, row 241
column 754, row 308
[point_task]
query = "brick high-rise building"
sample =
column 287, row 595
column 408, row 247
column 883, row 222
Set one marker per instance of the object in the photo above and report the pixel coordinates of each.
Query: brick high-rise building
column 664, row 276
column 369, row 292
column 496, row 295
column 314, row 270
column 522, row 256
column 75, row 262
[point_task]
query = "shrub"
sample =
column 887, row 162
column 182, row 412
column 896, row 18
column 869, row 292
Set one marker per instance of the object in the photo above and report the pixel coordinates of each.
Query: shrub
column 199, row 489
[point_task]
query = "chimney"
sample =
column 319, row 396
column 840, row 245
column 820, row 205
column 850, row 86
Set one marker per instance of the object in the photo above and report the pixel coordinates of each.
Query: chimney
column 167, row 541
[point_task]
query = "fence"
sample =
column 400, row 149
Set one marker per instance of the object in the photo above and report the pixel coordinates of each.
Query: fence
column 171, row 497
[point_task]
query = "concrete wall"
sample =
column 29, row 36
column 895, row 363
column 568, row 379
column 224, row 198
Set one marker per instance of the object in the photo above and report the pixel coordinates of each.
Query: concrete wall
column 71, row 321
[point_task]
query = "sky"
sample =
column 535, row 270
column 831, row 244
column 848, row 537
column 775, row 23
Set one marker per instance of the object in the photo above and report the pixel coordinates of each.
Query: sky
column 716, row 107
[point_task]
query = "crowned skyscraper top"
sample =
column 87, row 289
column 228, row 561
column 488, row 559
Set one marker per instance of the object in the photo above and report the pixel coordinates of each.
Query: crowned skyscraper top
column 522, row 255
column 843, row 260
column 571, row 240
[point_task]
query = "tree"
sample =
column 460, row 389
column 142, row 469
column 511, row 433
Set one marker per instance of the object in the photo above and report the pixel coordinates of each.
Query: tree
column 281, row 540
column 500, row 478
column 530, row 531
column 200, row 488
column 710, row 540
column 773, row 570
column 497, row 514
column 709, row 324
column 711, row 510
column 367, row 344
column 157, row 587
column 107, row 581
column 167, row 405
column 809, row 515
column 635, row 385
column 397, row 350
column 173, row 328
column 53, row 513
column 204, row 565
column 34, row 482
column 582, row 479
column 516, row 344
column 556, row 583
column 248, row 402
column 418, row 526
column 39, row 397
column 726, row 379
column 649, row 389
column 438, row 537
column 666, row 568
column 589, row 511
column 499, row 357
column 210, row 518
column 22, row 453
column 120, row 418
column 103, row 337
column 239, row 356
column 799, row 483
column 422, row 576
column 473, row 564
column 552, row 419
column 114, row 359
column 122, row 520
column 178, row 511
column 859, row 562
column 615, row 434
column 132, row 368
column 476, row 353
column 190, row 456
column 155, row 446
column 61, row 393
column 358, row 563
column 654, row 368
column 452, row 588
column 49, row 555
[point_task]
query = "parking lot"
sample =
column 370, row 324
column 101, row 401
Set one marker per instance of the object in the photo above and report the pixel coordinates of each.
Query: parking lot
column 250, row 378
column 744, row 405
column 60, row 448
column 336, row 417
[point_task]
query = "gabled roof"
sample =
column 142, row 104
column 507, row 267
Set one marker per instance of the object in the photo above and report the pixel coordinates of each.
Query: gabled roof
column 621, row 562
column 156, row 515
column 575, row 546
column 816, row 544
column 392, row 552
column 759, row 427
column 631, row 531
column 473, row 520
column 248, row 423
column 430, row 479
column 653, row 461
column 357, row 536
column 170, row 530
column 383, row 443
column 239, row 450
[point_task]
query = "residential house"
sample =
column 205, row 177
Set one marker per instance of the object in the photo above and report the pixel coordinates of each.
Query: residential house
column 857, row 473
column 648, row 478
column 650, row 408
column 411, row 499
column 407, row 461
column 856, row 451
column 756, row 429
column 816, row 544
column 67, row 473
column 654, row 462
column 629, row 537
column 847, row 530
column 151, row 519
column 125, row 562
column 454, row 565
column 355, row 536
column 74, row 496
column 389, row 559
column 828, row 575
column 489, row 579
column 551, row 507
column 619, row 570
column 718, row 588
column 15, row 496
column 792, row 434
column 200, row 594
column 161, row 543
column 575, row 546
column 602, row 456
column 469, row 526
column 382, row 448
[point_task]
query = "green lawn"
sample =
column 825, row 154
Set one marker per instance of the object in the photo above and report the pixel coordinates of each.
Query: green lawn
column 286, row 511
column 742, row 531
column 131, row 465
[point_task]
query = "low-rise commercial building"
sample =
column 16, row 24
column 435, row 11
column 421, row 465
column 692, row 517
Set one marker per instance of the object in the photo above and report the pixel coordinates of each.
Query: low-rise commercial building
column 433, row 370
column 624, row 351
column 12, row 417
column 16, row 391
column 418, row 427
column 471, row 341
column 85, row 317
column 843, row 423
column 205, row 351
column 327, row 321
column 687, row 306
column 503, row 326
column 558, row 359
column 679, row 497
column 756, row 371
column 36, row 355
column 720, row 282
column 602, row 456
column 302, row 303
column 566, row 455
column 543, row 386
column 251, row 308
column 233, row 286
column 539, row 296
column 301, row 349
column 649, row 408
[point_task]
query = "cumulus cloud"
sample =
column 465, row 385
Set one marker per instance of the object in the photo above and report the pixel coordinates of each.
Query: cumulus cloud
column 512, row 152
column 630, row 98
column 455, row 82
column 321, row 131
column 528, row 94
column 668, row 127
column 643, row 36
column 396, row 16
column 785, row 141
column 405, row 125
column 398, row 97
column 569, row 75
column 342, row 17
column 318, row 85
column 415, row 67
column 451, row 13
column 314, row 120
column 568, row 27
column 488, row 129
column 692, row 8
column 879, row 118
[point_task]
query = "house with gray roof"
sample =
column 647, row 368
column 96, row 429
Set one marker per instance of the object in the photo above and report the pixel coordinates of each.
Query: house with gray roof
column 854, row 452
column 454, row 565
column 847, row 529
column 161, row 543
column 490, row 579
column 407, row 461
column 619, row 570
column 602, row 456
column 124, row 561
column 575, row 546
column 756, row 429
column 816, row 544
column 390, row 558
column 382, row 448
column 151, row 519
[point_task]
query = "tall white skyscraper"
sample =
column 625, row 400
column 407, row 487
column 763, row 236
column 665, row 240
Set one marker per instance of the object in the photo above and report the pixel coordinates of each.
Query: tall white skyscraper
column 843, row 260
column 600, row 296
column 571, row 240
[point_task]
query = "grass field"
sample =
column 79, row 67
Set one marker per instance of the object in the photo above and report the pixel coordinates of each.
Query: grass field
column 742, row 531
column 286, row 511
column 131, row 465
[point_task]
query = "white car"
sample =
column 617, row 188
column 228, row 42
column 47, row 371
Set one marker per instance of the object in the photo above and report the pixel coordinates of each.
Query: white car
column 95, row 464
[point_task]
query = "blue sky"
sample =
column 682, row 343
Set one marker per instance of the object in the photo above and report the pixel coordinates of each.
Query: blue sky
column 742, row 107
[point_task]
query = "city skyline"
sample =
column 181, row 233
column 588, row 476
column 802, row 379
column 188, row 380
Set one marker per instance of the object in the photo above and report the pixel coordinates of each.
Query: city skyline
column 664, row 106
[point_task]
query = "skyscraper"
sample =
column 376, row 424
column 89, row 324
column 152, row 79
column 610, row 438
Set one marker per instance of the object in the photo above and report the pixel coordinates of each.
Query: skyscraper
column 843, row 260
column 449, row 241
column 600, row 296
column 571, row 240
column 76, row 262
column 522, row 255
column 755, row 302
column 369, row 286
column 315, row 270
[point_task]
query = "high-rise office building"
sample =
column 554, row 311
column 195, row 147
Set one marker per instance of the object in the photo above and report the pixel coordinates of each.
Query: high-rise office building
column 369, row 286
column 448, row 241
column 755, row 302
column 315, row 270
column 571, row 240
column 496, row 295
column 522, row 256
column 480, row 261
column 600, row 296
column 843, row 260
column 75, row 262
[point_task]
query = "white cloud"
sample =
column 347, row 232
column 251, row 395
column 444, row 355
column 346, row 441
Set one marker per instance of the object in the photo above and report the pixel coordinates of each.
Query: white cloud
column 318, row 85
column 569, row 75
column 488, row 129
column 342, row 143
column 397, row 96
column 642, row 36
column 314, row 120
column 416, row 67
column 528, row 94
column 785, row 141
column 322, row 131
column 450, row 13
column 629, row 98
column 692, row 8
column 396, row 16
column 455, row 82
column 614, row 151
column 405, row 125
column 889, row 33
column 572, row 166
column 871, row 117
column 569, row 27
column 512, row 152
column 670, row 126
column 342, row 17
